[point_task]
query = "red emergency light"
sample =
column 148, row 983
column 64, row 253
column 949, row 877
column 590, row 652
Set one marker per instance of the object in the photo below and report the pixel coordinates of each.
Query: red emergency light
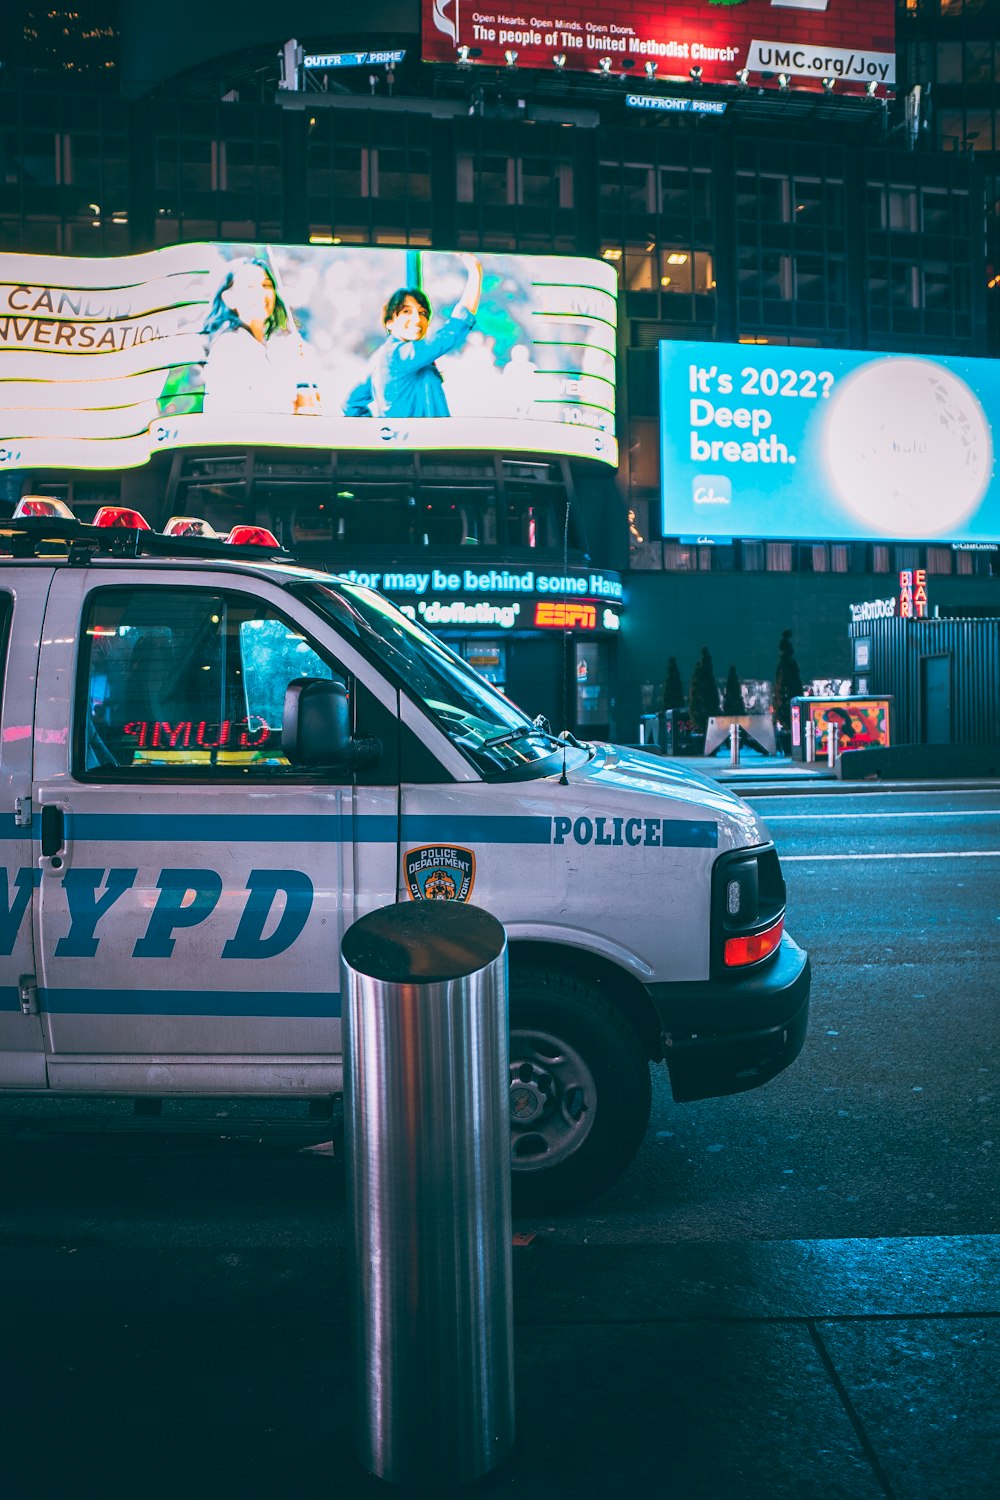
column 253, row 536
column 42, row 505
column 121, row 515
column 189, row 526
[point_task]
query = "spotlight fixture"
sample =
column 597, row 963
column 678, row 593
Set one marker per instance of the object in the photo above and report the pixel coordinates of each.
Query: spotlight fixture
column 828, row 85
column 871, row 89
column 559, row 60
column 463, row 55
column 784, row 82
column 743, row 77
column 510, row 58
column 627, row 63
column 650, row 70
column 605, row 66
column 695, row 75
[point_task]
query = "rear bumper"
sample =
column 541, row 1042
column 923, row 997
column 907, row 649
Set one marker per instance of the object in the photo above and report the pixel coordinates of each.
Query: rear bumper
column 724, row 1036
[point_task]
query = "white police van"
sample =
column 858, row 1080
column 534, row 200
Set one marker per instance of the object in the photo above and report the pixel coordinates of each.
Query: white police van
column 213, row 761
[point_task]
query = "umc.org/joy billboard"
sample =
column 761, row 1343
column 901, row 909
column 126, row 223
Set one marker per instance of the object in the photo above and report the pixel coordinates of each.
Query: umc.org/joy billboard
column 763, row 441
column 105, row 362
column 807, row 40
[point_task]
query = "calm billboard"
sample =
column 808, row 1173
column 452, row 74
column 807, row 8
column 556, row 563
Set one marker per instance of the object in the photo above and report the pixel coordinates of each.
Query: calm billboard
column 767, row 441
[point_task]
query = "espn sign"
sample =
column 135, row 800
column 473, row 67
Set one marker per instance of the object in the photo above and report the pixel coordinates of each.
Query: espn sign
column 565, row 614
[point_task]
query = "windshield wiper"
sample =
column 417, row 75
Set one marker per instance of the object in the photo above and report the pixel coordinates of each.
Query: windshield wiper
column 525, row 732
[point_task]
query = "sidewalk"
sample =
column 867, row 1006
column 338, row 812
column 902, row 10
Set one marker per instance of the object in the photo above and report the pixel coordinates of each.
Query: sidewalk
column 823, row 1370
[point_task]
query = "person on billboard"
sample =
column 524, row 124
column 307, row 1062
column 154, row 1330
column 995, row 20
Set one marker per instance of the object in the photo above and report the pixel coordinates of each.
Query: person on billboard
column 403, row 379
column 257, row 359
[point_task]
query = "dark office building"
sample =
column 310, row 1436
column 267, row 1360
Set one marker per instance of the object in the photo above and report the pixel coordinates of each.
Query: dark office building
column 797, row 218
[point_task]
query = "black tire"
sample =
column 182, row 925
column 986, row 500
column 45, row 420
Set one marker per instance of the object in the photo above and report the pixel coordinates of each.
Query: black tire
column 580, row 1090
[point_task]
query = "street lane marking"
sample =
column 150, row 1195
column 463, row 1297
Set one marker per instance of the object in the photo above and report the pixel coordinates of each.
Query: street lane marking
column 970, row 812
column 788, row 859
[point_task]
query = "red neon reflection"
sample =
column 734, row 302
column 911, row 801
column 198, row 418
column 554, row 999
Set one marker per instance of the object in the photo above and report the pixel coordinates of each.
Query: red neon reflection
column 199, row 734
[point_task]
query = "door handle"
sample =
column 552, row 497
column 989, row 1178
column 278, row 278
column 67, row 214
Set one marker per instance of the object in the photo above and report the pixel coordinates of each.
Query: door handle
column 53, row 831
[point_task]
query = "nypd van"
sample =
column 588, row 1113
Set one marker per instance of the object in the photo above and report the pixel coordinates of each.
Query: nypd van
column 214, row 761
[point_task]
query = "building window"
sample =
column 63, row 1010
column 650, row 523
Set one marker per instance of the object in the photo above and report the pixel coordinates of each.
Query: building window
column 779, row 557
column 939, row 560
column 678, row 559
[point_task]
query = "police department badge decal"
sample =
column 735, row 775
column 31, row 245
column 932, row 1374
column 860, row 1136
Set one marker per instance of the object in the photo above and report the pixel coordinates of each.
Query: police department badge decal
column 439, row 872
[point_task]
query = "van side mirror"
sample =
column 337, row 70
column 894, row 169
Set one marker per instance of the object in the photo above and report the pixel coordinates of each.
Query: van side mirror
column 316, row 728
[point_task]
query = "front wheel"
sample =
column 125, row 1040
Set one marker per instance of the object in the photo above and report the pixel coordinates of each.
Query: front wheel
column 580, row 1092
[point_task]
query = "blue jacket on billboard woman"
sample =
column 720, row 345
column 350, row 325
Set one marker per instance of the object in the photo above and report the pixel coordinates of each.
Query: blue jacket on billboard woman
column 403, row 380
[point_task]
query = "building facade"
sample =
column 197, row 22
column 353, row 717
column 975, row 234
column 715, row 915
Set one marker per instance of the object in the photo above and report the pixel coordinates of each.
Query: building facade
column 797, row 219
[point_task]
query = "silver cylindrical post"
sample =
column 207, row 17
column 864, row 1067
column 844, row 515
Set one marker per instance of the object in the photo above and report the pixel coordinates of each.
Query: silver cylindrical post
column 427, row 1137
column 809, row 735
column 832, row 743
column 734, row 744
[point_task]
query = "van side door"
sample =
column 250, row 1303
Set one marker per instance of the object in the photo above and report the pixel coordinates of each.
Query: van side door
column 196, row 885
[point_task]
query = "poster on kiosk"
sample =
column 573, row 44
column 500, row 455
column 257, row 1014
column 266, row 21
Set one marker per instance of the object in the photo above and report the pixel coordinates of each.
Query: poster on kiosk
column 104, row 363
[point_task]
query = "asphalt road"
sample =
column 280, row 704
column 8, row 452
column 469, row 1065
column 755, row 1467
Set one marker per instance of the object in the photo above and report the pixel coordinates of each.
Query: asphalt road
column 887, row 1124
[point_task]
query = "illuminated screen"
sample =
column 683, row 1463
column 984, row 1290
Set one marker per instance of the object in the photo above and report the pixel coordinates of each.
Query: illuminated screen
column 765, row 441
column 105, row 362
column 806, row 40
column 860, row 722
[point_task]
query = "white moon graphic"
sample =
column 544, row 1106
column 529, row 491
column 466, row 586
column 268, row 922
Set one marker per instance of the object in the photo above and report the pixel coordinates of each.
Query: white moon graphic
column 908, row 447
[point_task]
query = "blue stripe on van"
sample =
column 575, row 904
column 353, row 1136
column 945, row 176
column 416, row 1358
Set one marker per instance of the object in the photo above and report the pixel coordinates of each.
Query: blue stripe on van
column 305, row 828
column 105, row 1002
column 10, row 998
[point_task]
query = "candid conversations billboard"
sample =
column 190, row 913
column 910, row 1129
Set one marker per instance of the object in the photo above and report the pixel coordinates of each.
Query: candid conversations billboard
column 765, row 441
column 806, row 39
column 105, row 362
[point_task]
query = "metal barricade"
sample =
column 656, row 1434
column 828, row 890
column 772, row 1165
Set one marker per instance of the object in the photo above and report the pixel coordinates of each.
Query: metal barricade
column 734, row 744
column 427, row 1137
column 809, row 738
column 832, row 744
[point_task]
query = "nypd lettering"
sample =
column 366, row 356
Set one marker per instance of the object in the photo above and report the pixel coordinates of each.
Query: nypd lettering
column 439, row 872
column 185, row 899
column 636, row 833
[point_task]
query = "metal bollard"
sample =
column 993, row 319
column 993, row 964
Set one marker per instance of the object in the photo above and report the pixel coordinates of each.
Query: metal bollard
column 809, row 736
column 427, row 1136
column 832, row 743
column 734, row 744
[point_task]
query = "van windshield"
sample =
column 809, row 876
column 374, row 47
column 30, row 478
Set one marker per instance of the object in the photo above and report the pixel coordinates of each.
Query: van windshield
column 493, row 732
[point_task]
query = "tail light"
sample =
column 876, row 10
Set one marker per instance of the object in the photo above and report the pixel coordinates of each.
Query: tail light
column 121, row 515
column 42, row 505
column 253, row 536
column 748, row 908
column 740, row 951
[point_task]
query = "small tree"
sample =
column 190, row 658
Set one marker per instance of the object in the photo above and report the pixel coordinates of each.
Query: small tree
column 732, row 698
column 787, row 682
column 704, row 695
column 674, row 695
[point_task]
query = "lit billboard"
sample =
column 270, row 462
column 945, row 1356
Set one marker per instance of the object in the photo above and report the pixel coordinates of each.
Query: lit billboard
column 105, row 362
column 807, row 40
column 767, row 441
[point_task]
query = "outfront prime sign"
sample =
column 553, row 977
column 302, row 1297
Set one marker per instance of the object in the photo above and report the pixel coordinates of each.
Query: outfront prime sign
column 762, row 441
column 105, row 362
column 807, row 40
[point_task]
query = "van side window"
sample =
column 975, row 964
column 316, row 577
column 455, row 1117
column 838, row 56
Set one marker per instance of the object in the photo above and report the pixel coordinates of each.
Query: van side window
column 178, row 681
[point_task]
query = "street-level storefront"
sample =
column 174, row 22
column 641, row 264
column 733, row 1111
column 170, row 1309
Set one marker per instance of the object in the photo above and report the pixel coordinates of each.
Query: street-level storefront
column 546, row 638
